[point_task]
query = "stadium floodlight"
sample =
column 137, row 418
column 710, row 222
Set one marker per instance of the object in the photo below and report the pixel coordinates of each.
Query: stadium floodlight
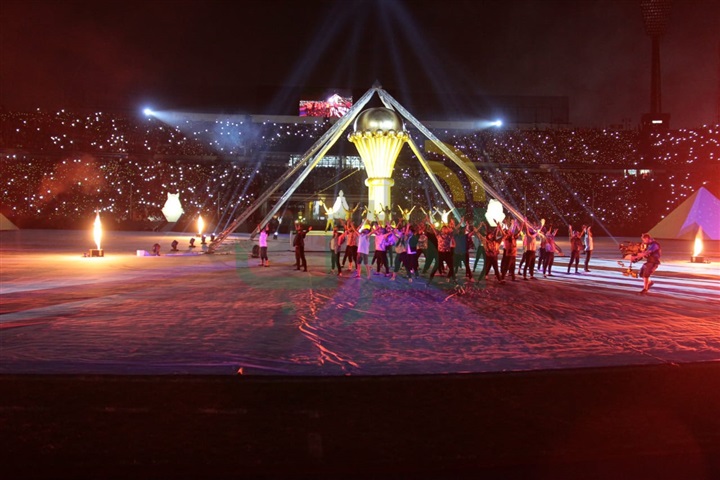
column 148, row 112
column 497, row 123
column 655, row 16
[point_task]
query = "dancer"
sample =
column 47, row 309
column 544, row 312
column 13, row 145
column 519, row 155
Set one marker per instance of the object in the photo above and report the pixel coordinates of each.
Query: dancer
column 479, row 246
column 349, row 213
column 386, row 212
column 446, row 244
column 263, row 242
column 652, row 255
column 587, row 238
column 444, row 215
column 328, row 215
column 529, row 245
column 411, row 243
column 576, row 246
column 422, row 245
column 429, row 215
column 299, row 244
column 509, row 241
column 431, row 252
column 405, row 251
column 351, row 239
column 380, row 255
column 491, row 242
column 336, row 242
column 461, row 254
column 363, row 250
column 405, row 214
column 541, row 245
column 390, row 243
column 550, row 249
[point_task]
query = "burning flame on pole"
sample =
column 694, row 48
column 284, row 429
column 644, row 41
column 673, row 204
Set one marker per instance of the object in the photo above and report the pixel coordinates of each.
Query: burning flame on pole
column 698, row 243
column 200, row 225
column 97, row 230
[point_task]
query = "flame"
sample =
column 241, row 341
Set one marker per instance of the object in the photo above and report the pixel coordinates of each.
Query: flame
column 97, row 230
column 698, row 243
column 201, row 225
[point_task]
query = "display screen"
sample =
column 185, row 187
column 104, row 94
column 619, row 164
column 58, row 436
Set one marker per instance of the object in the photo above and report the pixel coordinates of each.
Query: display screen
column 335, row 106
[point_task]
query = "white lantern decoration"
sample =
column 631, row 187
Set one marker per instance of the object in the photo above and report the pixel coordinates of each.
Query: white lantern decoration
column 494, row 214
column 172, row 209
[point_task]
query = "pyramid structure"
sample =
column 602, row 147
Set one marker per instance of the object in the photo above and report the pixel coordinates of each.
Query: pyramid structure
column 6, row 224
column 315, row 153
column 702, row 209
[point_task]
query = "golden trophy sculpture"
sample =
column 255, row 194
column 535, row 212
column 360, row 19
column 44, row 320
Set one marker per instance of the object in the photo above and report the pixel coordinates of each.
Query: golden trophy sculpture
column 378, row 135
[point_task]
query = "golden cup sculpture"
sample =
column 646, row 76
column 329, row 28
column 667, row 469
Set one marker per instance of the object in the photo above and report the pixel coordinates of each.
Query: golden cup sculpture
column 379, row 135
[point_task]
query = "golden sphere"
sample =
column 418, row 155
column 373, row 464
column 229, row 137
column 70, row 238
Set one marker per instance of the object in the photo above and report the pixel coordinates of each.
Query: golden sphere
column 378, row 119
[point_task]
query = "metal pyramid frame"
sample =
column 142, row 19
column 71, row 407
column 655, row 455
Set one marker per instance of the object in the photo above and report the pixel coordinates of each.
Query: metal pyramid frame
column 316, row 153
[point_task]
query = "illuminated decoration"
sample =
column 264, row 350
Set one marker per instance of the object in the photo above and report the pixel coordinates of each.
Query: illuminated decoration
column 200, row 225
column 172, row 209
column 698, row 248
column 97, row 230
column 339, row 207
column 379, row 135
column 495, row 214
column 97, row 236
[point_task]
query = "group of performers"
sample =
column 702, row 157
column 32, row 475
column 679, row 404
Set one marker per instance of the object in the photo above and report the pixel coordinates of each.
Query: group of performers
column 401, row 243
column 447, row 248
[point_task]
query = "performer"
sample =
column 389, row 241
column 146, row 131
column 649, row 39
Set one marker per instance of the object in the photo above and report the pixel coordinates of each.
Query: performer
column 509, row 242
column 550, row 250
column 328, row 215
column 529, row 246
column 587, row 238
column 349, row 213
column 446, row 244
column 444, row 215
column 363, row 250
column 351, row 248
column 431, row 251
column 479, row 245
column 491, row 243
column 263, row 242
column 405, row 213
column 422, row 245
column 336, row 242
column 652, row 255
column 380, row 256
column 461, row 253
column 299, row 244
column 576, row 246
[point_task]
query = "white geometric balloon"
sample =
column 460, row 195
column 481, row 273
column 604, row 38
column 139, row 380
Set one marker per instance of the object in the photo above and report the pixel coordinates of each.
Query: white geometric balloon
column 172, row 209
column 494, row 212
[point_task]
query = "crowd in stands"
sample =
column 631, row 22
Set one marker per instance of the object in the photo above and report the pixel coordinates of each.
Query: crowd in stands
column 59, row 168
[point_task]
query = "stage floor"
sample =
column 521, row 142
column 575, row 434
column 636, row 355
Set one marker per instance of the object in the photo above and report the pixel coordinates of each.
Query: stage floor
column 307, row 375
column 222, row 314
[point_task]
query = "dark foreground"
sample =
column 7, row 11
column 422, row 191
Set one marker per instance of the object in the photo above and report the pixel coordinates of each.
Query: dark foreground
column 628, row 422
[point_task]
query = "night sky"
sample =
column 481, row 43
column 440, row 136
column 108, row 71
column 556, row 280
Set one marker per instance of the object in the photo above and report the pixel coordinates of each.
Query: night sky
column 223, row 56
